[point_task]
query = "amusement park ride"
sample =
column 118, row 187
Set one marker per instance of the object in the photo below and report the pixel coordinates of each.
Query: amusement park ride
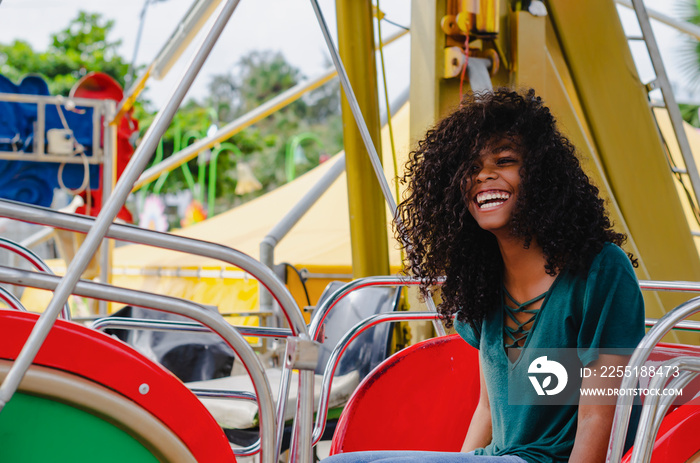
column 72, row 393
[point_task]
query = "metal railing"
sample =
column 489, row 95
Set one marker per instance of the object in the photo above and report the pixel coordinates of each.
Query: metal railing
column 323, row 310
column 36, row 261
column 264, row 275
column 641, row 354
column 212, row 320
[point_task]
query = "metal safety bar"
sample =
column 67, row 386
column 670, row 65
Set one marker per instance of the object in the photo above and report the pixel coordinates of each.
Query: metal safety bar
column 11, row 300
column 333, row 360
column 130, row 233
column 688, row 325
column 38, row 263
column 623, row 409
column 324, row 308
column 264, row 275
column 280, row 230
column 166, row 325
column 206, row 317
column 253, row 448
column 655, row 406
column 123, row 323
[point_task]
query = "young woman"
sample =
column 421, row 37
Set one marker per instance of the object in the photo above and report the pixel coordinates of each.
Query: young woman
column 498, row 204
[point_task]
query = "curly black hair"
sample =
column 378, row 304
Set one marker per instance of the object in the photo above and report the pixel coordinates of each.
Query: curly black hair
column 557, row 205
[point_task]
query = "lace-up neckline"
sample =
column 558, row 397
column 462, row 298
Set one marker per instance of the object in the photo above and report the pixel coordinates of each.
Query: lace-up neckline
column 515, row 335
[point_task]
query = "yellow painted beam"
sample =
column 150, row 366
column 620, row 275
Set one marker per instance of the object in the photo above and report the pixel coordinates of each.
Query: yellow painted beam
column 370, row 252
column 617, row 112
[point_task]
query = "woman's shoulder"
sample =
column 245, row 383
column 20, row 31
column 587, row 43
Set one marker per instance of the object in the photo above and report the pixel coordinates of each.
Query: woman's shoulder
column 610, row 256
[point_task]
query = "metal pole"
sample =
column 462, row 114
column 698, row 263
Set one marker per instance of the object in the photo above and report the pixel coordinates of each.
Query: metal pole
column 667, row 92
column 280, row 230
column 682, row 26
column 109, row 178
column 355, row 108
column 275, row 104
column 366, row 138
column 44, row 216
column 109, row 212
column 368, row 239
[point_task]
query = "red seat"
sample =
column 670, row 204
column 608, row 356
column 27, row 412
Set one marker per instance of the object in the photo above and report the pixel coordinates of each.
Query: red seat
column 92, row 355
column 421, row 398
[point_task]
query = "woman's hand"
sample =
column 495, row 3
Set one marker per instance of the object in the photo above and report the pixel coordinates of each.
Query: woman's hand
column 479, row 433
column 595, row 413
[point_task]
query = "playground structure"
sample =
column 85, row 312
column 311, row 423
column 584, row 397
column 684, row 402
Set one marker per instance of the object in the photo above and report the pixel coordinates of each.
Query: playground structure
column 52, row 353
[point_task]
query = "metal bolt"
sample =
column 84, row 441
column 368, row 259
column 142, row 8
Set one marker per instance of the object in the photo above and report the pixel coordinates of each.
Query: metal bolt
column 144, row 388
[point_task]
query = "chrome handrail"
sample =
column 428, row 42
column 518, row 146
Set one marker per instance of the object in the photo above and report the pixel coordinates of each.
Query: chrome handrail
column 11, row 300
column 38, row 263
column 130, row 233
column 263, row 274
column 253, row 448
column 214, row 321
column 623, row 409
column 333, row 360
column 124, row 323
column 328, row 304
column 653, row 412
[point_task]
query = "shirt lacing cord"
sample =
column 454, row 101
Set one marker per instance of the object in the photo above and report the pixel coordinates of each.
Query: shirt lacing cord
column 519, row 333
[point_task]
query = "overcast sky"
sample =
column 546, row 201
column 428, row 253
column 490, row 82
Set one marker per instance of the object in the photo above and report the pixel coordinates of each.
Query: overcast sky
column 288, row 26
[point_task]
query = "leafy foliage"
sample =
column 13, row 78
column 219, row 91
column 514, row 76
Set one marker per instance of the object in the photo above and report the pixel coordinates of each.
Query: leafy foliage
column 85, row 45
column 257, row 77
column 81, row 47
column 689, row 50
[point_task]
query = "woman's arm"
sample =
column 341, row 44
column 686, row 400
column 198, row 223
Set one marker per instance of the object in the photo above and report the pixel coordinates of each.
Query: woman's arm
column 479, row 433
column 595, row 413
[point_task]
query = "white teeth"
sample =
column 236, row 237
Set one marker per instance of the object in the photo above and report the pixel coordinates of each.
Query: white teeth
column 491, row 205
column 481, row 198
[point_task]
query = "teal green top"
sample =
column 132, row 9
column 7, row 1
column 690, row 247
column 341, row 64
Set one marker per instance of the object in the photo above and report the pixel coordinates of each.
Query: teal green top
column 579, row 316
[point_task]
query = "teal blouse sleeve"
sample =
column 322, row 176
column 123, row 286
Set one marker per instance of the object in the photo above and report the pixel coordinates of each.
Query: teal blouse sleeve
column 613, row 309
column 468, row 333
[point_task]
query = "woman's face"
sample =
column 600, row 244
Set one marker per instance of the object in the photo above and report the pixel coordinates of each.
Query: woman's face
column 492, row 188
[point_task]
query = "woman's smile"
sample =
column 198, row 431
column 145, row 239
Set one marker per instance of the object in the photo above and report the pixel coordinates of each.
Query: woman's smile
column 491, row 199
column 493, row 185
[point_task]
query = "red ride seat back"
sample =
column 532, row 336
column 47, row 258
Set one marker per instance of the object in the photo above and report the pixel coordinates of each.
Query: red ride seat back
column 421, row 398
column 90, row 354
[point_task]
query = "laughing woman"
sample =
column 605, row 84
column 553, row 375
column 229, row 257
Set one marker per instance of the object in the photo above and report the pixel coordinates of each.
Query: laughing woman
column 498, row 203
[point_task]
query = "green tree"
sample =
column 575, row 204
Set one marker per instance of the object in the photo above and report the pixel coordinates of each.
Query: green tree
column 81, row 47
column 689, row 51
column 256, row 78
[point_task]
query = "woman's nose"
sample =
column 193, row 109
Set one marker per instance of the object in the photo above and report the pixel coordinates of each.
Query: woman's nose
column 486, row 173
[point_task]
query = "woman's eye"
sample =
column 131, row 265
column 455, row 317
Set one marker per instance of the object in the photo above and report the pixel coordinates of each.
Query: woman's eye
column 504, row 161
